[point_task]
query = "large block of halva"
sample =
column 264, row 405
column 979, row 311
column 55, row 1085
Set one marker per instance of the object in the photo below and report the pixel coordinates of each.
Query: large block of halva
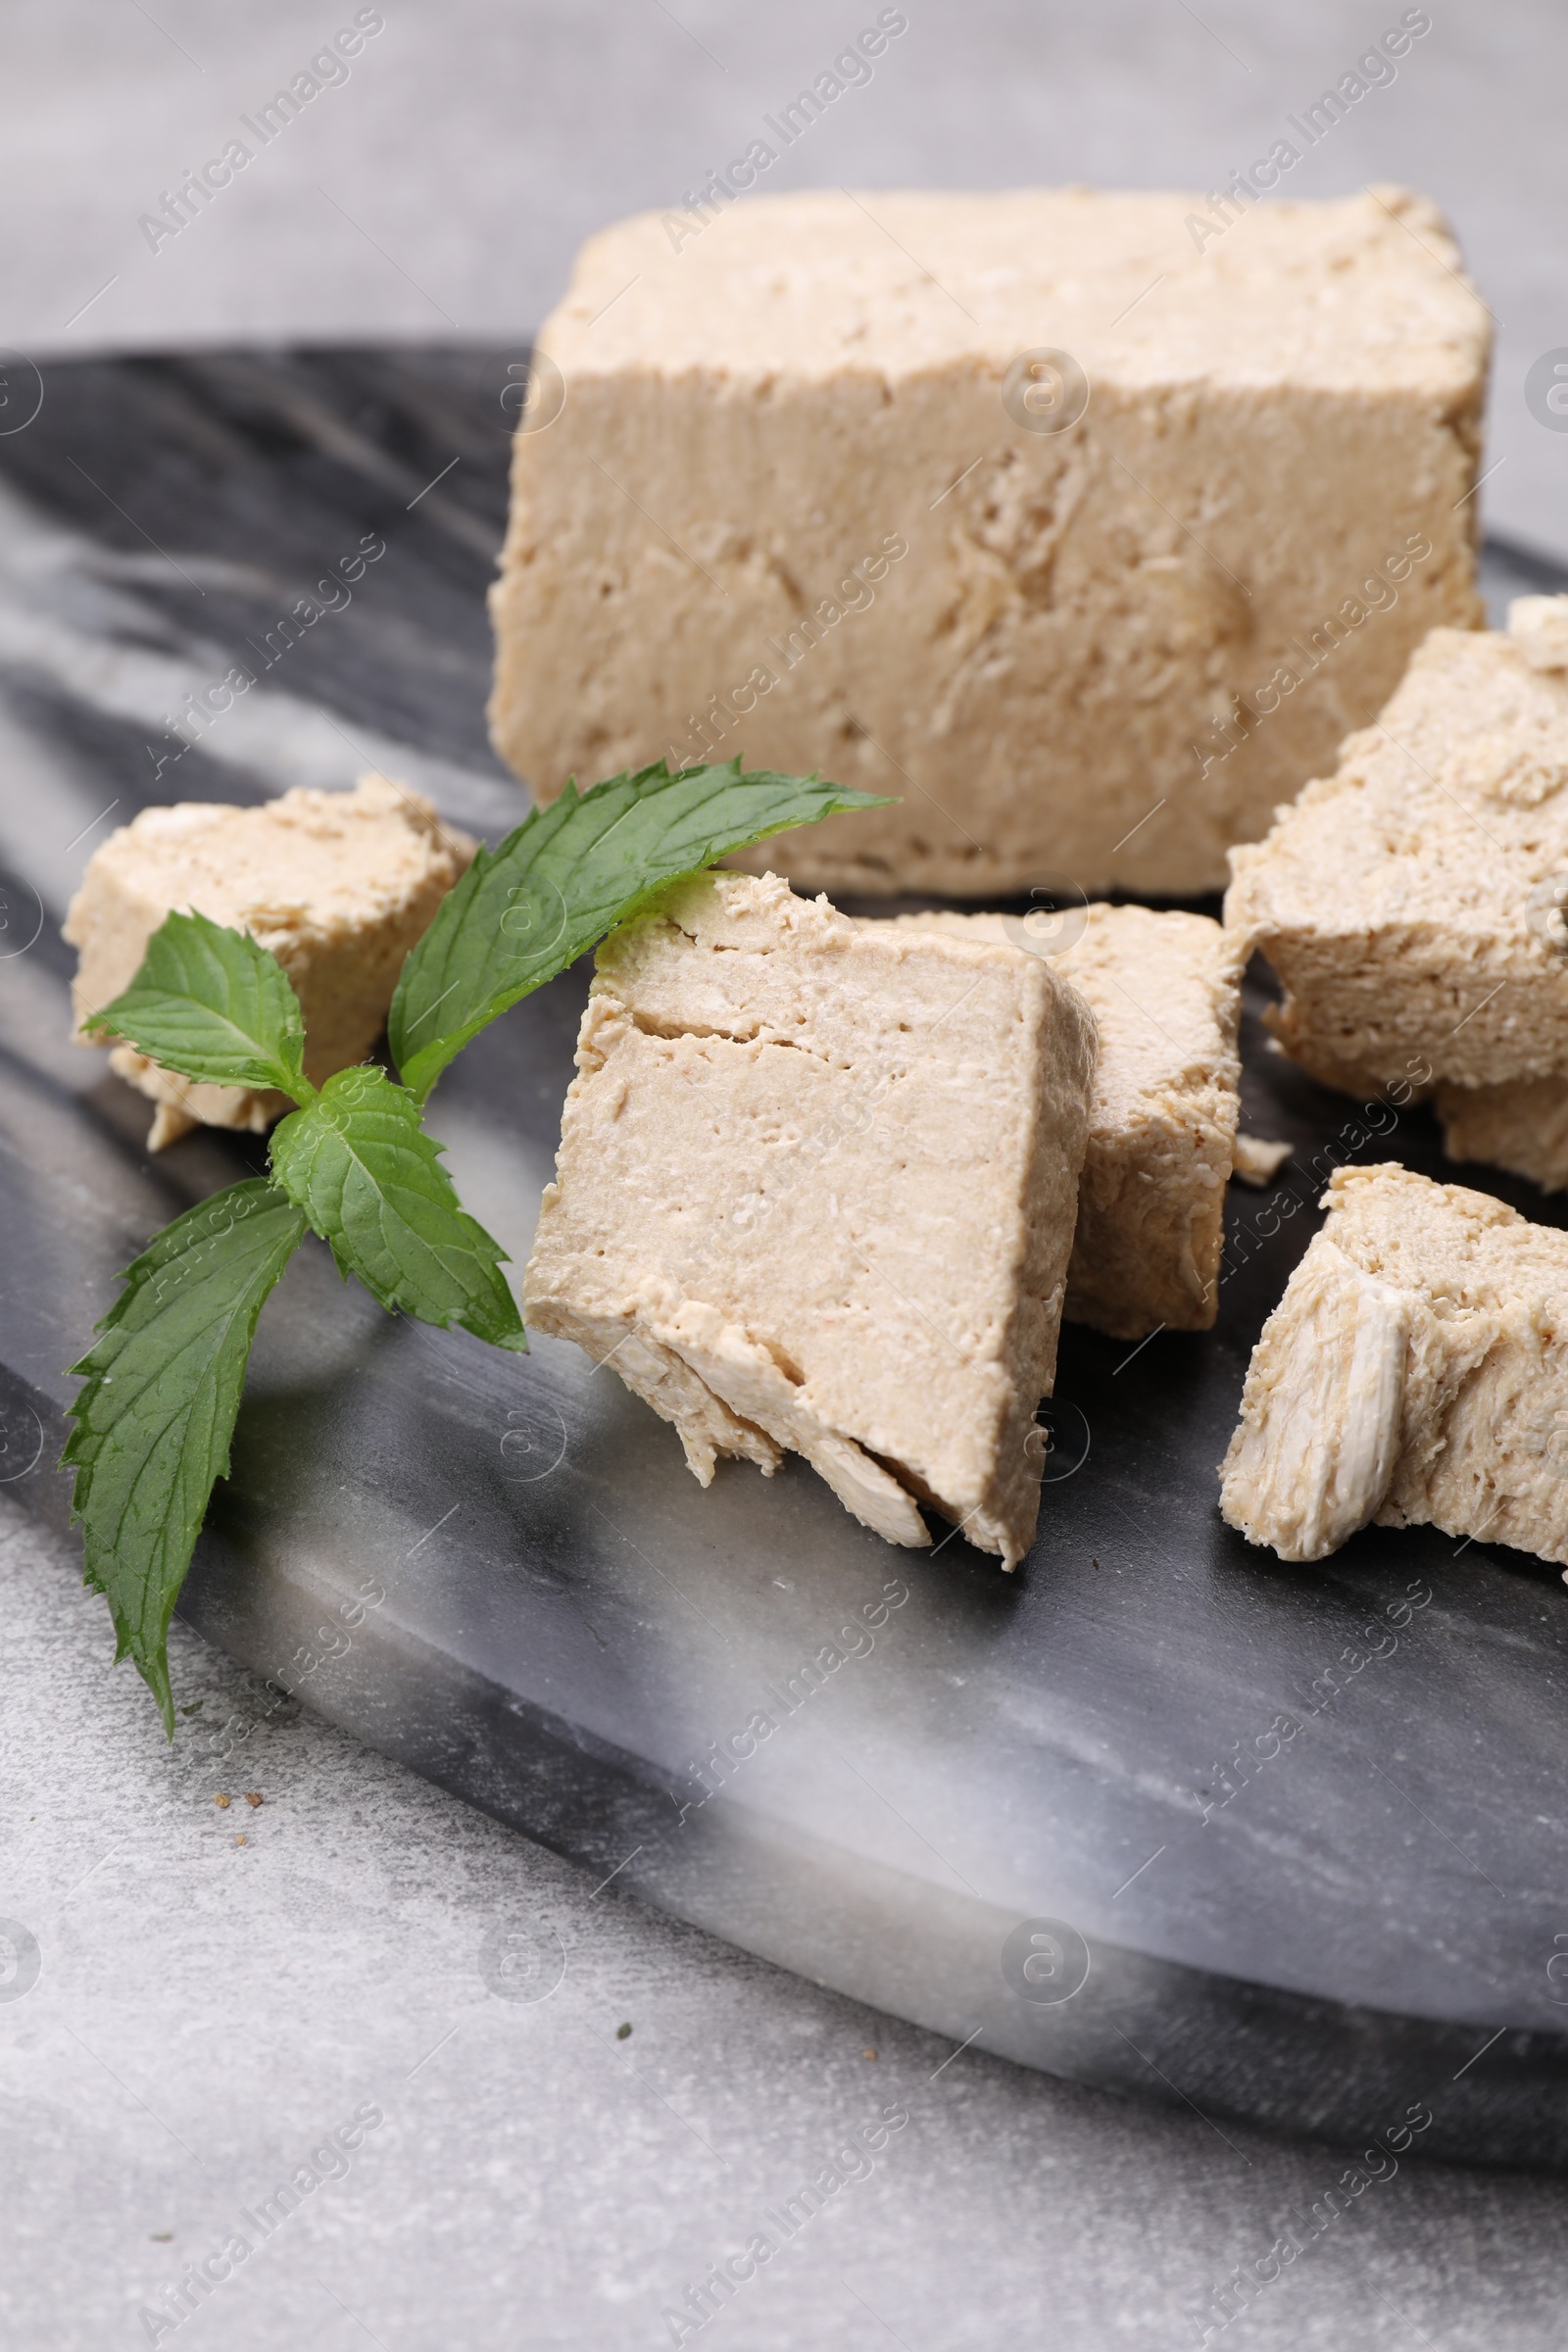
column 1087, row 523
column 337, row 885
column 1165, row 993
column 815, row 1189
column 1415, row 1372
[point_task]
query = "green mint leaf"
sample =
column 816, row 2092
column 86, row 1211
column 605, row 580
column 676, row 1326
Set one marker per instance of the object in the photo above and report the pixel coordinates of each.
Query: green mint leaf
column 213, row 1006
column 566, row 876
column 154, row 1421
column 372, row 1183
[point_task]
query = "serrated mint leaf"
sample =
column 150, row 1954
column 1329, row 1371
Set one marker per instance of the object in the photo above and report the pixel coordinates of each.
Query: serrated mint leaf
column 213, row 1006
column 370, row 1181
column 154, row 1421
column 566, row 876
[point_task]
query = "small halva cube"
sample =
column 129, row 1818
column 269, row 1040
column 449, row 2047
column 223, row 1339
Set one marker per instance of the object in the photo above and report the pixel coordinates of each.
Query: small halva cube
column 1414, row 1373
column 1412, row 902
column 337, row 885
column 1521, row 1125
column 1164, row 990
column 815, row 1189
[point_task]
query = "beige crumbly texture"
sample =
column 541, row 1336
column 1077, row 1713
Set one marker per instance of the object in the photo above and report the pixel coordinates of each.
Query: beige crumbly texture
column 1404, row 900
column 337, row 885
column 815, row 1189
column 1165, row 994
column 1258, row 1160
column 1539, row 627
column 1415, row 1372
column 817, row 379
column 1521, row 1125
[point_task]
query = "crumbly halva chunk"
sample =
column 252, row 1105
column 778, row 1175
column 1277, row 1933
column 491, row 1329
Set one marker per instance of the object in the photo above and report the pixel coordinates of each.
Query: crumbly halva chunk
column 1415, row 1372
column 815, row 1189
column 1086, row 537
column 1258, row 1158
column 337, row 885
column 1521, row 1125
column 1409, row 902
column 1165, row 994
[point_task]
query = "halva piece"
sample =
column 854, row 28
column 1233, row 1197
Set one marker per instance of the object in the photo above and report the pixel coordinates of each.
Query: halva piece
column 815, row 1189
column 1409, row 902
column 337, row 885
column 1415, row 1372
column 1521, row 1125
column 1259, row 1159
column 1086, row 524
column 1165, row 994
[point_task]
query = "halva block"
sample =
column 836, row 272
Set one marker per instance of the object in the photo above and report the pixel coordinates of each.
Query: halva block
column 1410, row 901
column 815, row 1189
column 1415, row 1372
column 1084, row 523
column 1164, row 990
column 337, row 885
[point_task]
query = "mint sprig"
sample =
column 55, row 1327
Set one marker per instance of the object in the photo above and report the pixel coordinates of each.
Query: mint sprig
column 213, row 1005
column 154, row 1421
column 370, row 1181
column 568, row 874
column 162, row 1380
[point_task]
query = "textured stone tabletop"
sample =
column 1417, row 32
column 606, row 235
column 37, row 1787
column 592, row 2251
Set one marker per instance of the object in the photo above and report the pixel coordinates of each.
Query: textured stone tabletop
column 197, row 1994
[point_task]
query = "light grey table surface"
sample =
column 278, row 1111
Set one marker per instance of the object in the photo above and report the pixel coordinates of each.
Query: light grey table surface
column 219, row 1988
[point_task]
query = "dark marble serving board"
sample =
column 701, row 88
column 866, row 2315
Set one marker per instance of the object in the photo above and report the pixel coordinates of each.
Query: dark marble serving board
column 1059, row 1813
